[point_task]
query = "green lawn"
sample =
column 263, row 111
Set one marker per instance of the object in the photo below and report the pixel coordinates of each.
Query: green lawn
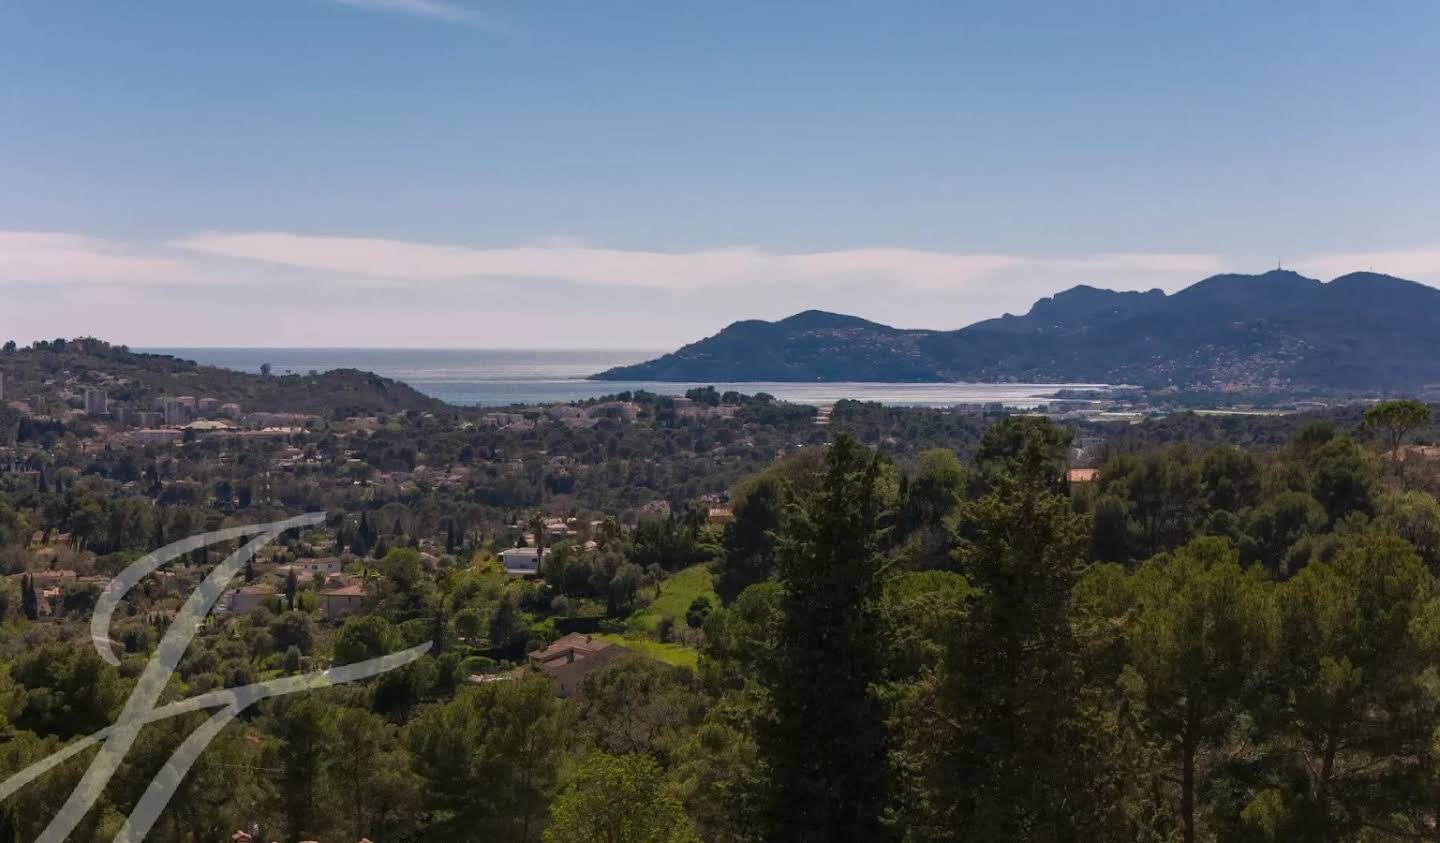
column 668, row 653
column 676, row 594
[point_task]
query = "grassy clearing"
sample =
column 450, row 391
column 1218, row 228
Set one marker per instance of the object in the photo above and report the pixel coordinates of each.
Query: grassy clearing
column 668, row 653
column 676, row 595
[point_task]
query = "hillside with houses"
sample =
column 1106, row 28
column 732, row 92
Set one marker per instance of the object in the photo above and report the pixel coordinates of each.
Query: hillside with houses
column 657, row 587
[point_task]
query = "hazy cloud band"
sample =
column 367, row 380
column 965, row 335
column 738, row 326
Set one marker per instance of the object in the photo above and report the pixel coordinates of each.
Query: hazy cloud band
column 215, row 287
column 236, row 257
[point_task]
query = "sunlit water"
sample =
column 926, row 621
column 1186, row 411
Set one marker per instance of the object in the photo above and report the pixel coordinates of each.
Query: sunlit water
column 490, row 378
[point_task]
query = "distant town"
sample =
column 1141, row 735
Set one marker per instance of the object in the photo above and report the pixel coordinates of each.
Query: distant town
column 609, row 573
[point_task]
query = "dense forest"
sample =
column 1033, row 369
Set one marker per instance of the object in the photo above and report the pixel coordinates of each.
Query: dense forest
column 1203, row 642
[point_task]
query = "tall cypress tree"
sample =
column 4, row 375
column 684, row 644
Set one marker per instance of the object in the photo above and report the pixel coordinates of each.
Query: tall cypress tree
column 439, row 623
column 364, row 535
column 826, row 746
column 29, row 599
column 292, row 583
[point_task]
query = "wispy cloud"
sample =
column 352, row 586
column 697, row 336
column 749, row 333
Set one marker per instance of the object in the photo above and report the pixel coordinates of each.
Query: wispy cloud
column 45, row 257
column 246, row 259
column 436, row 9
column 577, row 263
column 219, row 285
column 1422, row 264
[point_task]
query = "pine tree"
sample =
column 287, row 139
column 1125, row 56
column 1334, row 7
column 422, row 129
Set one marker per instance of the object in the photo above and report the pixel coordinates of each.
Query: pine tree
column 505, row 623
column 1357, row 635
column 9, row 827
column 826, row 746
column 987, row 740
column 1200, row 635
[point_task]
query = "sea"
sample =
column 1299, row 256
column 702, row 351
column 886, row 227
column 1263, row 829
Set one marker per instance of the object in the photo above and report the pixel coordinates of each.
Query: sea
column 496, row 378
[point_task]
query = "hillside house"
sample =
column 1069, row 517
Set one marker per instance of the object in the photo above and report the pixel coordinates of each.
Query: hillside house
column 569, row 660
column 521, row 561
column 342, row 601
column 247, row 598
column 325, row 566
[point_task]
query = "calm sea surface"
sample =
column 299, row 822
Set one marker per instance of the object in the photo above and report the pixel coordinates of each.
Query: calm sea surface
column 496, row 378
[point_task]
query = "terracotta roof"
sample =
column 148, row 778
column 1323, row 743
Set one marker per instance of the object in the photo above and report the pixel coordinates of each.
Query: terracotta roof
column 1421, row 451
column 568, row 672
column 1082, row 475
column 576, row 644
column 52, row 574
column 354, row 590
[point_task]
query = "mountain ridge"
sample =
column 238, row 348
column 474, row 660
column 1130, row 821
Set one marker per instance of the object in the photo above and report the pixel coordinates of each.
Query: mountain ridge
column 1275, row 330
column 140, row 379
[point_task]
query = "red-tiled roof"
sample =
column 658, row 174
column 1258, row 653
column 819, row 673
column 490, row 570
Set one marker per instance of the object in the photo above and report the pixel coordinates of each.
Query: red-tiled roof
column 577, row 644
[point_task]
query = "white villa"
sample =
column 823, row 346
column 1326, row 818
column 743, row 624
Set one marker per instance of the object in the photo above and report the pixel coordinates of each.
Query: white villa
column 521, row 561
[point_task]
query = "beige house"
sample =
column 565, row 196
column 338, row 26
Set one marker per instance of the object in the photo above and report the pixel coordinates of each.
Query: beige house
column 161, row 436
column 325, row 566
column 572, row 658
column 656, row 510
column 52, row 577
column 339, row 602
column 247, row 598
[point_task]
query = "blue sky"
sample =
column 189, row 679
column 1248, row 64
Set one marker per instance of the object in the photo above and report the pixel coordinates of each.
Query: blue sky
column 587, row 174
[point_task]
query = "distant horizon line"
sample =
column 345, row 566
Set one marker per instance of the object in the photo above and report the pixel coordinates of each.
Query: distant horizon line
column 146, row 349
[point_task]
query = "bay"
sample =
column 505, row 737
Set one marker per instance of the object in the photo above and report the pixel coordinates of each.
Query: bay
column 498, row 377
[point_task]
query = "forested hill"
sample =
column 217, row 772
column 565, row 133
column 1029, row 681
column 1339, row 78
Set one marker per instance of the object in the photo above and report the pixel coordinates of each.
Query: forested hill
column 140, row 378
column 1278, row 330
